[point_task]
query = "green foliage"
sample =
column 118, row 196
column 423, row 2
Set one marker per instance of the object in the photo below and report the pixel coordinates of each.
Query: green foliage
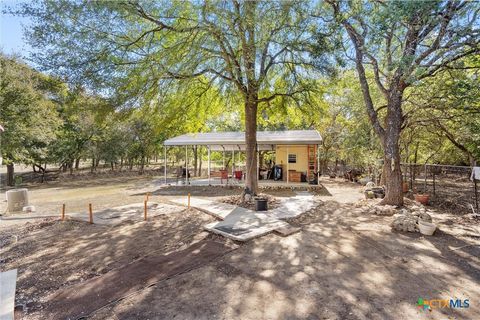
column 443, row 114
column 29, row 117
column 140, row 72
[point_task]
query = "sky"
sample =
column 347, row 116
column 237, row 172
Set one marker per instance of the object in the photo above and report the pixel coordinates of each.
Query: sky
column 11, row 33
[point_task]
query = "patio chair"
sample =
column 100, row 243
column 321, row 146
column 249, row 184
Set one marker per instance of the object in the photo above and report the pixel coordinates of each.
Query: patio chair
column 223, row 175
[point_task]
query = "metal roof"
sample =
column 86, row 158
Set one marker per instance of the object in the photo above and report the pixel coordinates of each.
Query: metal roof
column 295, row 137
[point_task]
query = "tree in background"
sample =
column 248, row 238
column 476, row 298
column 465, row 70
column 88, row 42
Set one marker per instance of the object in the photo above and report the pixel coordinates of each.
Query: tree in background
column 403, row 43
column 83, row 117
column 448, row 107
column 29, row 118
column 241, row 47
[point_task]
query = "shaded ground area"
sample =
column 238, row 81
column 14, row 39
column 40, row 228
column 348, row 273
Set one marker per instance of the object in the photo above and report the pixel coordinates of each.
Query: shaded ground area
column 52, row 254
column 84, row 298
column 455, row 194
column 343, row 264
column 340, row 266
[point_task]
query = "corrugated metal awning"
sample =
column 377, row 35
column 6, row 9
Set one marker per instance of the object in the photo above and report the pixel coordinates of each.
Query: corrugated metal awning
column 293, row 137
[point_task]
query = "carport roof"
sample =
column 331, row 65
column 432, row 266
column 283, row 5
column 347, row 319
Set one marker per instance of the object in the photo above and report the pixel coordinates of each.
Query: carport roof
column 288, row 137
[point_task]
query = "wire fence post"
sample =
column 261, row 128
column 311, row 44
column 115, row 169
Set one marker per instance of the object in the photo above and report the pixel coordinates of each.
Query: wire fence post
column 433, row 174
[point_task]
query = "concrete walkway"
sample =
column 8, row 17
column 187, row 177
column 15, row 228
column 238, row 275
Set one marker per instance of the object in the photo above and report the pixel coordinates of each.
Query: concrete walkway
column 242, row 224
column 8, row 282
column 292, row 207
column 134, row 212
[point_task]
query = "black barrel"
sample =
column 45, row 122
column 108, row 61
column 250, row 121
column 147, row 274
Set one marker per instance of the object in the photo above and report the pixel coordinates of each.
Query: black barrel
column 261, row 204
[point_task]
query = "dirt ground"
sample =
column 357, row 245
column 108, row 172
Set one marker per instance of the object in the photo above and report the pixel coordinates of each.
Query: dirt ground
column 342, row 265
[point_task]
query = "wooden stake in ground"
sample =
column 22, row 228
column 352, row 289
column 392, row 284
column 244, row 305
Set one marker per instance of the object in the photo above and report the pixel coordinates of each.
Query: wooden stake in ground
column 90, row 213
column 188, row 200
column 63, row 212
column 145, row 210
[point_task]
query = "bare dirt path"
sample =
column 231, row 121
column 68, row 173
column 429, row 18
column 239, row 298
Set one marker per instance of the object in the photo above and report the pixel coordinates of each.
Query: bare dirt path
column 341, row 191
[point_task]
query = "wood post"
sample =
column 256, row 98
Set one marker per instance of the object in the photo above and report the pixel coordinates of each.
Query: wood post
column 90, row 213
column 288, row 167
column 209, row 166
column 475, row 178
column 433, row 174
column 63, row 212
column 145, row 210
column 425, row 182
column 233, row 163
column 475, row 190
column 186, row 165
column 223, row 155
column 165, row 163
column 188, row 200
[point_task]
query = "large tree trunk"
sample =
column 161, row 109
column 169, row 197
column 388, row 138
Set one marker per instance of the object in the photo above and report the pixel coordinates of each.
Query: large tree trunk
column 391, row 149
column 142, row 164
column 10, row 172
column 251, row 179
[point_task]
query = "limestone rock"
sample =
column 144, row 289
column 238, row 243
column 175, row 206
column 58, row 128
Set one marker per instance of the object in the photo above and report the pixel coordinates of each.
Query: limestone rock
column 385, row 210
column 405, row 222
column 404, row 219
column 425, row 217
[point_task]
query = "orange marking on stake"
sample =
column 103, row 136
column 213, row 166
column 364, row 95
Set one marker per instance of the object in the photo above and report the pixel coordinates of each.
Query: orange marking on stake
column 145, row 210
column 90, row 213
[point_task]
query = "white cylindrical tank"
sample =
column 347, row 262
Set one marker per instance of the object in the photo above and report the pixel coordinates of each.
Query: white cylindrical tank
column 16, row 199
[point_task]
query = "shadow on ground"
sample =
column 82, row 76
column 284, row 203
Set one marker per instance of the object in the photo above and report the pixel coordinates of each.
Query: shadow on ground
column 336, row 268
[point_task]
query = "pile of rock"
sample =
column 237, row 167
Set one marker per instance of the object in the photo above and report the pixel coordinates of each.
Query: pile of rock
column 405, row 219
column 372, row 206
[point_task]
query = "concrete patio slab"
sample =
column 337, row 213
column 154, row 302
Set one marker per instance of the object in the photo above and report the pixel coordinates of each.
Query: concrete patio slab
column 218, row 209
column 294, row 206
column 262, row 184
column 8, row 283
column 120, row 214
column 242, row 224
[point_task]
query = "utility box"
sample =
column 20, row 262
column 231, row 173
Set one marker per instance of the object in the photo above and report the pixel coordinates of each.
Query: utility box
column 16, row 199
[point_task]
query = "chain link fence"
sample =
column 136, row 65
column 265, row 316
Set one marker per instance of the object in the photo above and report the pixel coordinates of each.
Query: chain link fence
column 449, row 187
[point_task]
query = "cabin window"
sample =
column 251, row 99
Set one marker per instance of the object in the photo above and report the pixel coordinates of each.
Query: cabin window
column 292, row 158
